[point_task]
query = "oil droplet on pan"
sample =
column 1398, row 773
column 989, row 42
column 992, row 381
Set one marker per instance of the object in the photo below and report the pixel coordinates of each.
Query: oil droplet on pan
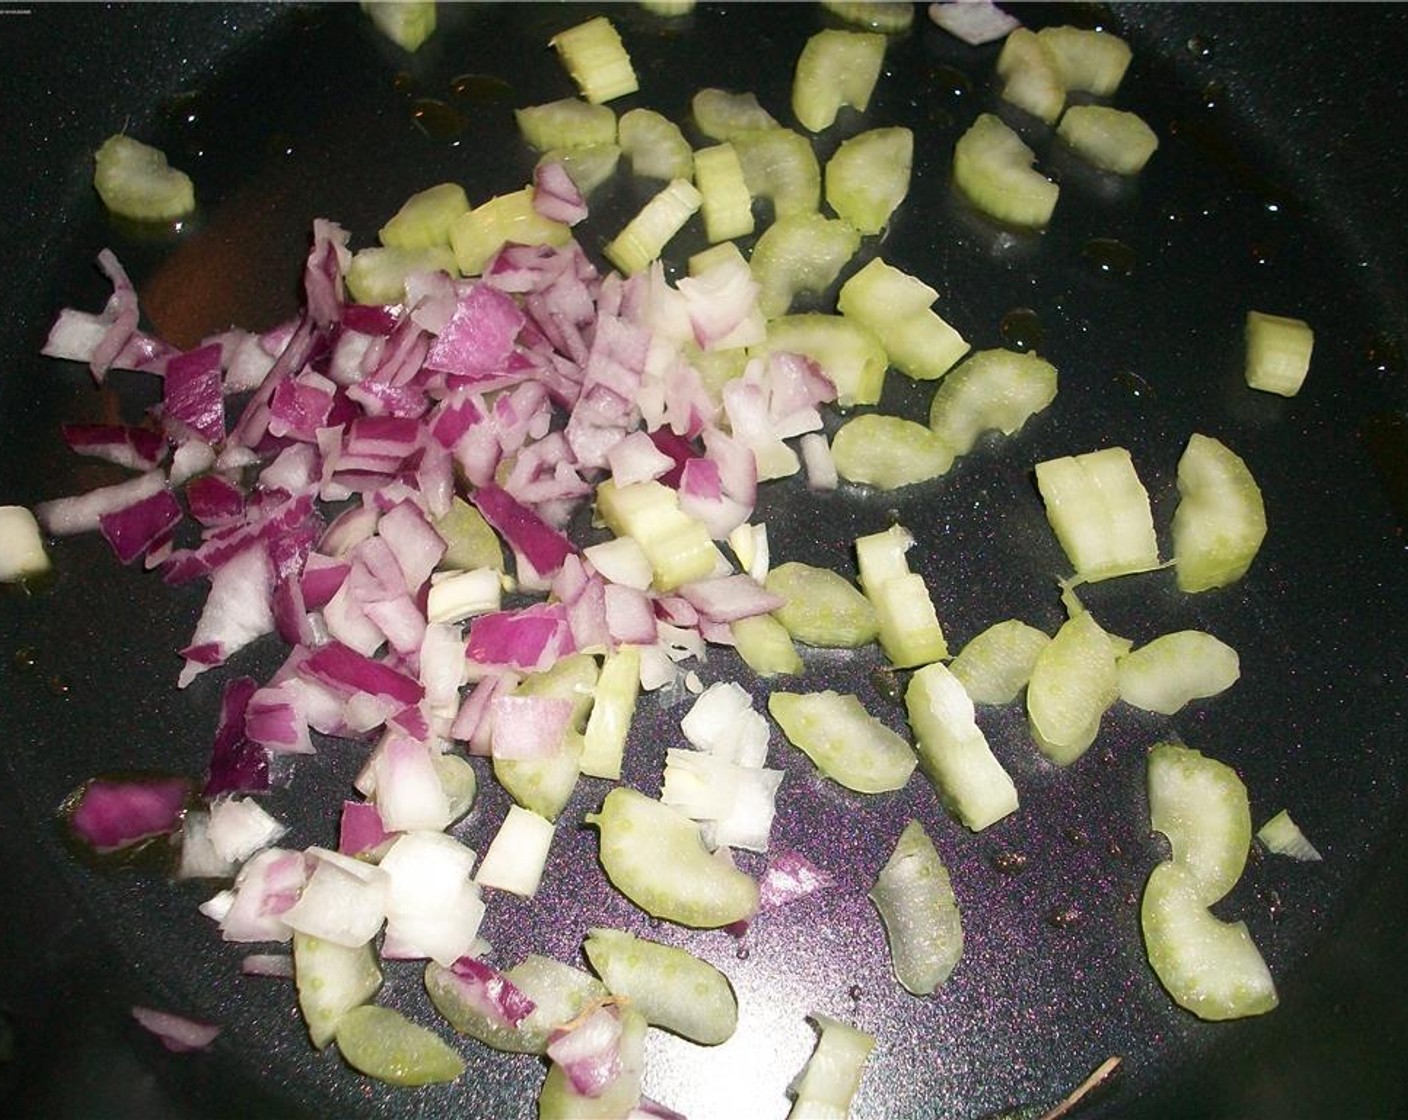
column 480, row 89
column 438, row 120
column 1021, row 329
column 1109, row 255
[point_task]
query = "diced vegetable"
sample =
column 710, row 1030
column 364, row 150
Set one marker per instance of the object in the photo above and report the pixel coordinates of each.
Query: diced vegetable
column 878, row 15
column 915, row 898
column 766, row 646
column 655, row 145
column 596, row 58
column 646, row 235
column 668, row 8
column 331, row 981
column 384, row 1044
column 781, row 166
column 868, row 177
column 993, row 169
column 848, row 353
column 566, row 123
column 617, row 1096
column 407, row 23
column 587, row 165
column 822, row 607
column 135, row 181
column 481, row 232
column 835, row 68
column 899, row 309
column 831, row 1077
column 910, row 633
column 1200, row 804
column 1283, row 836
column 1073, row 683
column 1278, row 352
column 726, row 204
column 470, row 543
column 846, row 742
column 997, row 664
column 425, row 219
column 975, row 22
column 888, row 451
column 992, row 390
column 1220, row 520
column 1112, row 139
column 377, row 275
column 723, row 114
column 22, row 554
column 604, row 741
column 1100, row 512
column 802, row 253
column 518, row 853
column 679, row 547
column 1087, row 60
column 1174, row 669
column 1030, row 77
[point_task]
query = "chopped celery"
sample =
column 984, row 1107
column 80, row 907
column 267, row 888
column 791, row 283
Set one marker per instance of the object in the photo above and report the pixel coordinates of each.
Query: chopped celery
column 914, row 896
column 384, row 1044
column 910, row 633
column 953, row 751
column 587, row 165
column 654, row 855
column 331, row 980
column 671, row 987
column 604, row 741
column 545, row 784
column 646, row 235
column 849, row 353
column 835, row 68
column 868, row 177
column 1278, row 353
column 618, row 1098
column 822, row 607
column 888, row 452
column 1086, row 60
column 655, row 145
column 458, row 780
column 846, row 742
column 679, row 548
column 668, row 8
column 993, row 169
column 997, row 664
column 1030, row 77
column 470, row 541
column 378, row 274
column 481, row 232
column 898, row 307
column 727, row 205
column 802, row 253
column 1220, row 520
column 407, row 23
column 517, row 854
column 1112, row 139
column 1283, row 836
column 424, row 219
column 135, row 181
column 1174, row 669
column 1100, row 512
column 22, row 554
column 993, row 389
column 1073, row 683
column 567, row 123
column 780, row 165
column 831, row 1077
column 574, row 678
column 597, row 60
column 878, row 15
column 766, row 646
column 722, row 114
column 1201, row 805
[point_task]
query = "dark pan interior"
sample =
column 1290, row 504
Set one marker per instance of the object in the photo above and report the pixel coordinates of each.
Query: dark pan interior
column 1278, row 186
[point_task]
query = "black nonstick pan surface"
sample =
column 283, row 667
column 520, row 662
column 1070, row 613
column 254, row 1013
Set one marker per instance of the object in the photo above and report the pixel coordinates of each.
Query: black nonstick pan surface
column 1278, row 186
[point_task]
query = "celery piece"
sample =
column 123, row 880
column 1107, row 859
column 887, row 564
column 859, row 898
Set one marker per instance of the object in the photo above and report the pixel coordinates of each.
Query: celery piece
column 993, row 169
column 766, row 646
column 645, row 235
column 1030, row 77
column 1220, row 520
column 1283, row 837
column 596, row 58
column 878, row 15
column 458, row 780
column 1174, row 669
column 671, row 987
column 22, row 554
column 727, row 205
column 1210, row 967
column 1278, row 353
column 910, row 633
column 848, row 353
column 845, row 742
column 1111, row 139
column 587, row 165
column 898, row 307
column 953, row 751
column 566, row 123
column 544, row 785
column 617, row 687
column 679, row 548
column 914, row 896
column 780, row 165
column 1201, row 805
column 574, row 678
column 620, row 1097
column 888, row 452
column 407, row 23
column 835, row 68
column 831, row 1077
column 668, row 8
column 654, row 856
column 481, row 232
column 1073, row 683
column 470, row 541
column 802, row 253
column 331, row 980
column 1086, row 60
column 997, row 664
column 722, row 114
column 559, row 993
column 384, row 1044
column 655, row 145
column 378, row 274
column 135, row 181
column 867, row 177
column 993, row 390
column 1100, row 513
column 424, row 219
column 822, row 607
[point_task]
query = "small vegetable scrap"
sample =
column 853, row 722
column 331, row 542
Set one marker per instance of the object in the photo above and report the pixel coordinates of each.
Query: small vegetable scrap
column 1278, row 353
column 135, row 181
column 22, row 554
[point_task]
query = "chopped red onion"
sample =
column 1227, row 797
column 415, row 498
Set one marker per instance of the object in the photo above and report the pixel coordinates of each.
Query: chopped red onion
column 790, row 876
column 975, row 22
column 178, row 1034
column 110, row 815
column 555, row 195
column 83, row 513
column 491, row 992
column 144, row 525
column 141, row 449
column 237, row 763
column 361, row 830
column 529, row 727
column 590, row 1052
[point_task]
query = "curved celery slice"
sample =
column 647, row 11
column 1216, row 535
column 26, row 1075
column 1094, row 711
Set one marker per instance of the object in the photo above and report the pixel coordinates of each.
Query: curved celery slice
column 878, row 15
column 953, row 751
column 672, row 988
column 558, row 1100
column 910, row 633
column 992, row 390
column 545, row 785
column 647, row 234
column 135, row 181
column 481, row 232
column 822, row 607
column 1087, row 60
column 424, row 219
column 993, row 169
column 780, row 165
column 766, row 647
column 835, row 68
column 617, row 687
column 849, row 353
column 1073, row 683
column 653, row 855
column 1200, row 804
column 596, row 58
column 1100, row 512
column 898, row 308
column 378, row 274
column 407, row 23
column 566, row 123
column 1220, row 520
column 331, row 980
column 831, row 1077
column 803, row 253
column 470, row 541
column 1174, row 669
column 846, row 742
column 1278, row 352
column 997, row 664
column 458, row 780
column 868, row 177
column 384, row 1044
column 22, row 554
column 888, row 452
column 679, row 548
column 655, row 145
column 1112, row 139
column 559, row 993
column 1283, row 836
column 1210, row 967
column 915, row 898
column 587, row 165
column 1030, row 77
column 726, row 203
column 723, row 114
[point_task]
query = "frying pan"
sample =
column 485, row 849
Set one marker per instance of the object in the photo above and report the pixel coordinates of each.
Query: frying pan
column 1277, row 186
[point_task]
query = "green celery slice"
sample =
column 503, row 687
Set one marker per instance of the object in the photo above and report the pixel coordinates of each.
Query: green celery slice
column 458, row 780
column 847, row 744
column 407, row 23
column 898, row 308
column 1030, row 77
column 377, row 275
column 1111, row 139
column 992, row 167
column 910, row 633
column 781, row 166
column 481, row 232
column 384, row 1044
column 822, row 607
column 1176, row 668
column 992, row 390
column 1073, row 683
column 1278, row 352
column 424, row 220
column 915, row 898
column 614, row 704
column 558, row 1100
column 135, row 181
column 835, row 68
column 1201, row 805
column 996, row 664
column 568, row 122
column 832, row 1075
column 723, row 114
column 645, row 236
column 655, row 145
column 470, row 541
column 868, row 177
column 888, row 452
column 596, row 58
column 1100, row 512
column 1220, row 520
column 1086, row 60
column 331, row 980
column 802, row 253
column 1283, row 836
column 727, row 205
column 849, row 353
column 878, row 15
column 587, row 165
column 679, row 548
column 545, row 785
column 766, row 647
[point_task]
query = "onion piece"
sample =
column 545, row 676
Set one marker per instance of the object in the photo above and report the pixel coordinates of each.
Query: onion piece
column 111, row 815
column 975, row 22
column 178, row 1033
